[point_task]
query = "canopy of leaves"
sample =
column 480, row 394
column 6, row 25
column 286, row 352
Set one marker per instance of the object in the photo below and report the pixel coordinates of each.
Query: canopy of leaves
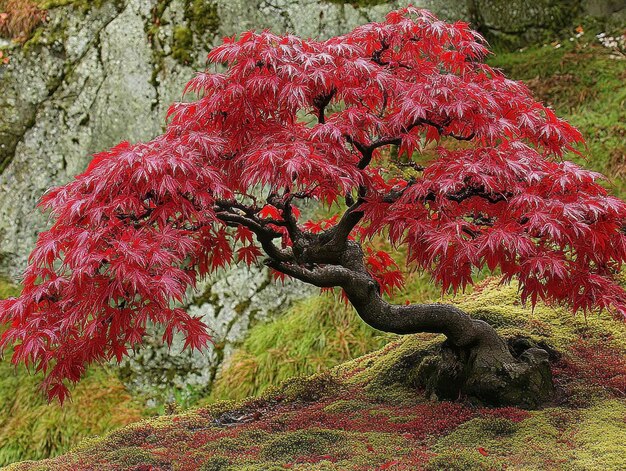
column 298, row 120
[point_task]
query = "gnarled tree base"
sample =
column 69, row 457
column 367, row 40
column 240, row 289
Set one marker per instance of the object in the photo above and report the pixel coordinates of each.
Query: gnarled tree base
column 447, row 372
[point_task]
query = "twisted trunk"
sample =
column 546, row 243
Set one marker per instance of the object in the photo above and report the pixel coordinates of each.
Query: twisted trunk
column 474, row 361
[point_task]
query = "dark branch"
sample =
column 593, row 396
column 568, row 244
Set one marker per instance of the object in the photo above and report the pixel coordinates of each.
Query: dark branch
column 284, row 204
column 321, row 102
column 265, row 235
column 322, row 276
column 470, row 192
column 367, row 151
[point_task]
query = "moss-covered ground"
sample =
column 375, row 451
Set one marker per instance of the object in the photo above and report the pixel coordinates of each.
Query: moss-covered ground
column 365, row 414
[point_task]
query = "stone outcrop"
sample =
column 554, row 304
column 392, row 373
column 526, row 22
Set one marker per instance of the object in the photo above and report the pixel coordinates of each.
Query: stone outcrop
column 93, row 76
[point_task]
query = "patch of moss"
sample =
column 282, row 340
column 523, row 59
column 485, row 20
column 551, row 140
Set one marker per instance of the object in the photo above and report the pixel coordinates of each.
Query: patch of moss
column 287, row 446
column 463, row 460
column 132, row 456
column 203, row 16
column 304, row 389
column 49, row 4
column 56, row 31
column 215, row 463
column 535, row 433
column 600, row 437
column 83, row 5
column 389, row 374
column 182, row 44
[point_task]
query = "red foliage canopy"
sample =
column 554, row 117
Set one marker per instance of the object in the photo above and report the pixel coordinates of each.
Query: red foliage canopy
column 295, row 120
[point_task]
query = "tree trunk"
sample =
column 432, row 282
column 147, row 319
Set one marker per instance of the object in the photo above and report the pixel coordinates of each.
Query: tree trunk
column 474, row 361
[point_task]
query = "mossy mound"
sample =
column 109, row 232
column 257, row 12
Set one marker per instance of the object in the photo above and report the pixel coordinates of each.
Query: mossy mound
column 368, row 413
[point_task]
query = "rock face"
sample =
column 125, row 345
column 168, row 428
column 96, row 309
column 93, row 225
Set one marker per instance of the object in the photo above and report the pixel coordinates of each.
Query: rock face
column 94, row 76
column 516, row 23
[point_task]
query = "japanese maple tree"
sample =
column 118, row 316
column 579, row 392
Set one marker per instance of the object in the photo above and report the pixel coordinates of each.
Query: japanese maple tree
column 476, row 180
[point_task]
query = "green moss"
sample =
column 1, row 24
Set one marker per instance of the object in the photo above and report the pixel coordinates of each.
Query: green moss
column 388, row 374
column 182, row 44
column 215, row 463
column 287, row 446
column 535, row 433
column 203, row 16
column 83, row 5
column 600, row 437
column 305, row 389
column 463, row 460
column 497, row 427
column 47, row 35
column 132, row 456
column 554, row 438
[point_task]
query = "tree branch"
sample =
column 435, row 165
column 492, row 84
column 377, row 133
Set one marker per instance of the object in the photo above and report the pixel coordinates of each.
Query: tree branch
column 367, row 151
column 321, row 102
column 470, row 192
column 322, row 276
column 284, row 204
column 264, row 235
